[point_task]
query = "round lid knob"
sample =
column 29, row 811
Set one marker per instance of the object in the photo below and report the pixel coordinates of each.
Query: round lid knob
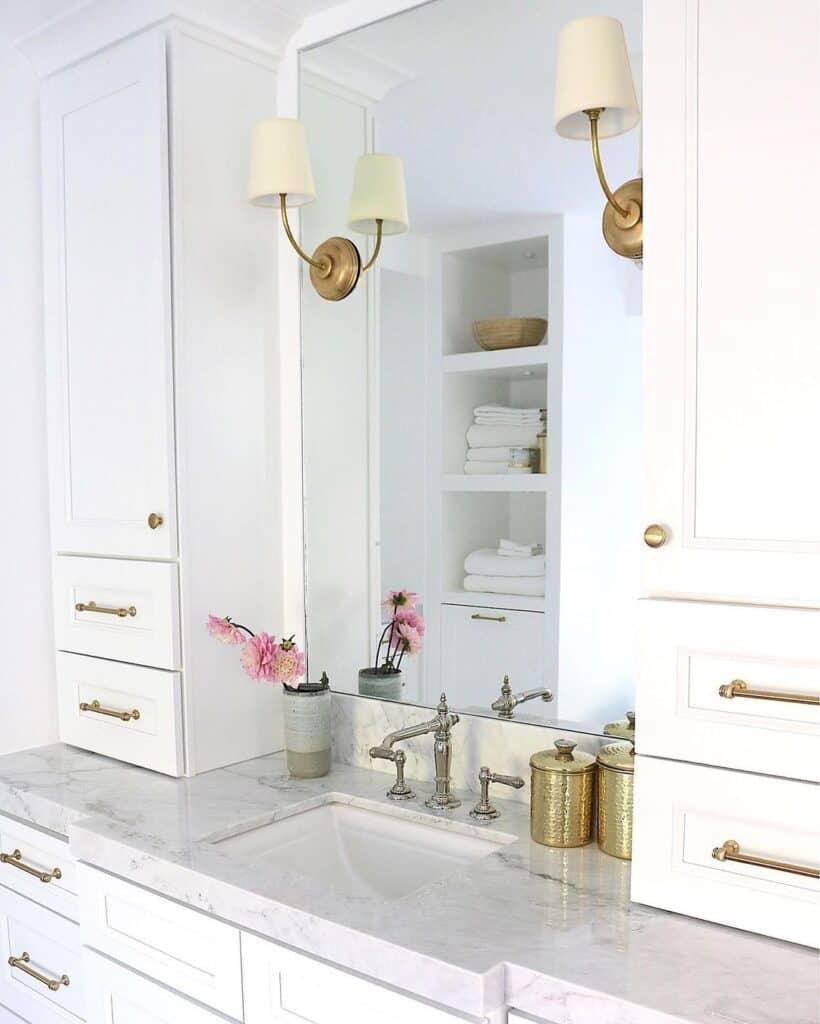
column 564, row 758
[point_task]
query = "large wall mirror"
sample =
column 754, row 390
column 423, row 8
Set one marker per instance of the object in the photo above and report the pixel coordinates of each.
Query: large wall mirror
column 423, row 466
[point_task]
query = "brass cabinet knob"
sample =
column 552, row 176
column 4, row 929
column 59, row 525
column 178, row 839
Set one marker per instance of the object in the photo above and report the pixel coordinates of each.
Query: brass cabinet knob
column 154, row 520
column 654, row 536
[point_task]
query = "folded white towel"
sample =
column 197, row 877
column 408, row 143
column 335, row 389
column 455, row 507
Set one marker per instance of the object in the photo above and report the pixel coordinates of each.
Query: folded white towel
column 486, row 562
column 514, row 549
column 479, row 468
column 490, row 454
column 505, row 410
column 507, row 421
column 527, row 586
column 496, row 435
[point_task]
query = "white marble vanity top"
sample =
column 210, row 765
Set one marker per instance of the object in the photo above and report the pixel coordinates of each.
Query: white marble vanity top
column 550, row 932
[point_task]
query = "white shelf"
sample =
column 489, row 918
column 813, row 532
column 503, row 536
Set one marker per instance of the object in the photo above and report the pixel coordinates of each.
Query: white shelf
column 511, row 483
column 508, row 364
column 510, row 602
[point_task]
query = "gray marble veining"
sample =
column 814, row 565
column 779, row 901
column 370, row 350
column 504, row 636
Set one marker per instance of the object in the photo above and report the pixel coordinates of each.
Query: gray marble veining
column 550, row 932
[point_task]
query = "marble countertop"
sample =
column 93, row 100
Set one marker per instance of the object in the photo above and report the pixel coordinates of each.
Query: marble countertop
column 550, row 932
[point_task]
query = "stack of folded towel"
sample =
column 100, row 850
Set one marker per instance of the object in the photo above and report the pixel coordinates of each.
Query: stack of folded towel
column 496, row 430
column 511, row 568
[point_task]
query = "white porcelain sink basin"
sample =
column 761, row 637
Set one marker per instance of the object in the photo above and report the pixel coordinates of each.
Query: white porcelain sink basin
column 364, row 850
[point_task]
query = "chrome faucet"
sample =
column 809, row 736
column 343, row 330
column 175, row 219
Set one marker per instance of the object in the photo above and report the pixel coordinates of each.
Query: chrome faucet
column 441, row 727
column 508, row 701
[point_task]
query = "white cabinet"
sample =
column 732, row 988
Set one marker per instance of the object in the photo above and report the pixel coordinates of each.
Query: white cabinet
column 732, row 364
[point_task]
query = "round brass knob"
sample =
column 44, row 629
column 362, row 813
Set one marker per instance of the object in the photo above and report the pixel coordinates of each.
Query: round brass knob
column 154, row 520
column 654, row 536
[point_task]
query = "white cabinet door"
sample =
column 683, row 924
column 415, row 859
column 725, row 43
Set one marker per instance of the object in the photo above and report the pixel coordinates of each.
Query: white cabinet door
column 107, row 311
column 732, row 321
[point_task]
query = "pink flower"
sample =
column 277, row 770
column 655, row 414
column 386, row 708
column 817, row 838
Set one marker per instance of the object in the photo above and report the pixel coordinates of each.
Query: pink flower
column 400, row 599
column 258, row 657
column 412, row 619
column 224, row 630
column 289, row 663
column 411, row 637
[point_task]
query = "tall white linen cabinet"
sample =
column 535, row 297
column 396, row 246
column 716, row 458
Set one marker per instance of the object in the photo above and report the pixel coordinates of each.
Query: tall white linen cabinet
column 161, row 349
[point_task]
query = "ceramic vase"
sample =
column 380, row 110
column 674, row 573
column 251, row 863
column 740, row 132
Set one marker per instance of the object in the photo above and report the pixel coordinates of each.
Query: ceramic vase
column 307, row 732
column 384, row 685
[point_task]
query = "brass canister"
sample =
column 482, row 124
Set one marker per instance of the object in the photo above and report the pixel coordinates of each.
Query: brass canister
column 542, row 451
column 623, row 729
column 616, row 776
column 561, row 796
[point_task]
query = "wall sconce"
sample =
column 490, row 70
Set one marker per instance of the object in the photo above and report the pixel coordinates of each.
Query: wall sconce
column 281, row 176
column 595, row 99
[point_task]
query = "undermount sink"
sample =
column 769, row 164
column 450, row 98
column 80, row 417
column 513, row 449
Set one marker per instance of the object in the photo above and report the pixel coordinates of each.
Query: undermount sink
column 364, row 850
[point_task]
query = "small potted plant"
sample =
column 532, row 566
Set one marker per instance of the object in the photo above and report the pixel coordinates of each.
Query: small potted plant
column 402, row 635
column 306, row 705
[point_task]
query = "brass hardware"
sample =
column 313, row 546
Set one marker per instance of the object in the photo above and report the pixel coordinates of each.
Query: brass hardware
column 22, row 961
column 561, row 793
column 155, row 520
column 336, row 265
column 739, row 688
column 92, row 606
column 124, row 716
column 654, row 536
column 15, row 860
column 730, row 850
column 489, row 618
column 623, row 215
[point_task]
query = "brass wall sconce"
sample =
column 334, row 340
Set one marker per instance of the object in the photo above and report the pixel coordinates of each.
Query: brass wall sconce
column 281, row 176
column 594, row 99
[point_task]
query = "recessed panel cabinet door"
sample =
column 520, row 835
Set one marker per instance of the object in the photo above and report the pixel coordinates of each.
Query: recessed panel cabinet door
column 107, row 285
column 732, row 318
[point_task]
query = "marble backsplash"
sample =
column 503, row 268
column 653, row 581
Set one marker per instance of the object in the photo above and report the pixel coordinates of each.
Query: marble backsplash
column 360, row 723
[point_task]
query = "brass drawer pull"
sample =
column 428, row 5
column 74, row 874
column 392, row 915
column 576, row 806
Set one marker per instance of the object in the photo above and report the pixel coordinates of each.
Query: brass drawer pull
column 92, row 606
column 155, row 520
column 654, row 536
column 738, row 688
column 21, row 962
column 15, row 860
column 490, row 618
column 731, row 851
column 124, row 716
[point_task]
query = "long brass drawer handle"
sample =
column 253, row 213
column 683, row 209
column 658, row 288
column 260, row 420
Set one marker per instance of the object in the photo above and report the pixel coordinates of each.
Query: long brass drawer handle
column 490, row 618
column 124, row 716
column 15, row 860
column 92, row 606
column 21, row 962
column 739, row 688
column 731, row 851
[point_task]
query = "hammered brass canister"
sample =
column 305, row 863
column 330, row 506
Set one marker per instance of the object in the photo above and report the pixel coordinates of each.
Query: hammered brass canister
column 616, row 768
column 623, row 729
column 561, row 796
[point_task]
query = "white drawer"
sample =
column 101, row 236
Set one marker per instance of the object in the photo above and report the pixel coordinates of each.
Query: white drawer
column 55, row 884
column 683, row 812
column 182, row 948
column 283, row 987
column 142, row 625
column 152, row 739
column 481, row 645
column 115, row 995
column 52, row 945
column 690, row 649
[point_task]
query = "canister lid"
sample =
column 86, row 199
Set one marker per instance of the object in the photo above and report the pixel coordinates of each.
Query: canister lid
column 620, row 757
column 562, row 759
column 624, row 728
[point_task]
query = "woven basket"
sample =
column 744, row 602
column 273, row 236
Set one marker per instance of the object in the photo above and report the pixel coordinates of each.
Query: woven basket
column 509, row 332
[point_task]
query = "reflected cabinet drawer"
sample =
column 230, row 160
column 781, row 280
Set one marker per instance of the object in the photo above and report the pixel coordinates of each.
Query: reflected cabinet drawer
column 727, row 846
column 728, row 685
column 115, row 608
column 123, row 711
column 38, row 865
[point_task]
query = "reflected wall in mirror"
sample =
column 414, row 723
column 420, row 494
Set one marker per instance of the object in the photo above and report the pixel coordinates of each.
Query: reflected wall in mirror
column 422, row 469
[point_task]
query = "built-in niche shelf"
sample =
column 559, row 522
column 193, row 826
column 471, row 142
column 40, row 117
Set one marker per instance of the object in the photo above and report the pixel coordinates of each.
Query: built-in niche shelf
column 510, row 483
column 512, row 602
column 508, row 364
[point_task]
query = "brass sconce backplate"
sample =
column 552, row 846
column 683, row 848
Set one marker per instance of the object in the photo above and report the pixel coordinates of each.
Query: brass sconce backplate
column 340, row 267
column 624, row 234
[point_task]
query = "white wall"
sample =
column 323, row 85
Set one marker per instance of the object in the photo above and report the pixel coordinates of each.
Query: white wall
column 27, row 669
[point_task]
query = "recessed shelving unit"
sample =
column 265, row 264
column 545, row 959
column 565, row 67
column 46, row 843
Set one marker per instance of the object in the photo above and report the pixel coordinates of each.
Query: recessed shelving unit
column 512, row 483
column 507, row 364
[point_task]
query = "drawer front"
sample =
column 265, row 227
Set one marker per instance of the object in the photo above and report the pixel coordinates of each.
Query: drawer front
column 691, row 653
column 482, row 645
column 684, row 812
column 54, row 881
column 151, row 739
column 283, row 987
column 115, row 995
column 49, row 945
column 188, row 951
column 140, row 622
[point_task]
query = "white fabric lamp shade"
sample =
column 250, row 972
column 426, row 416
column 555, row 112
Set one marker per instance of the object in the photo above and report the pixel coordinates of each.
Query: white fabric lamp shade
column 592, row 70
column 280, row 163
column 378, row 193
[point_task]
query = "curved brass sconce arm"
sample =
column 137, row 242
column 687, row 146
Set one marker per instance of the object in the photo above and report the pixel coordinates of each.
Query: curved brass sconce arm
column 623, row 214
column 316, row 264
column 377, row 249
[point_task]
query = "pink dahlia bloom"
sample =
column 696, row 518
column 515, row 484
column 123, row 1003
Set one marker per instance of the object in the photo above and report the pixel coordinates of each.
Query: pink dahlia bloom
column 224, row 630
column 258, row 657
column 411, row 638
column 411, row 618
column 288, row 664
column 400, row 599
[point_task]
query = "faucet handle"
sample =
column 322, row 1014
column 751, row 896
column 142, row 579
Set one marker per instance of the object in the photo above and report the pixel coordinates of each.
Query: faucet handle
column 484, row 810
column 399, row 790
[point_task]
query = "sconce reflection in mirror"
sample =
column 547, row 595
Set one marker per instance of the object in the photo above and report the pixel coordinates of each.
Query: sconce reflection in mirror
column 281, row 176
column 595, row 99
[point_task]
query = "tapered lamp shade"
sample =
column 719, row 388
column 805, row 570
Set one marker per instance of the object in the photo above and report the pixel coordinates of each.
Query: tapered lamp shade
column 592, row 70
column 378, row 192
column 280, row 163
